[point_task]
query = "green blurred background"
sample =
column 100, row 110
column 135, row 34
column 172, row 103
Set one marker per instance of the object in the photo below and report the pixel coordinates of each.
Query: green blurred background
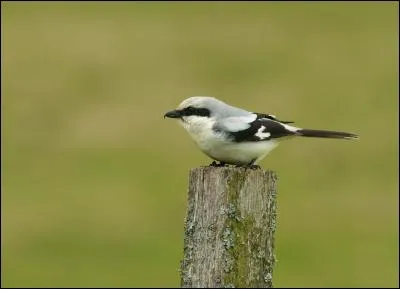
column 94, row 180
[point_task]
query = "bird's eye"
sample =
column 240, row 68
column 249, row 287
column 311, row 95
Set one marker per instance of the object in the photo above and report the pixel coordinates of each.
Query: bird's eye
column 188, row 111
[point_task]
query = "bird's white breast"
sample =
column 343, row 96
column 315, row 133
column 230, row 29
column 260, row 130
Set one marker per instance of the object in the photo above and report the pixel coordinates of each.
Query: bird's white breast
column 201, row 130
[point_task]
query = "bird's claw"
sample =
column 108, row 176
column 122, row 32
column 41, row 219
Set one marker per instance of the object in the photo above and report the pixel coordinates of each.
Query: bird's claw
column 249, row 166
column 254, row 167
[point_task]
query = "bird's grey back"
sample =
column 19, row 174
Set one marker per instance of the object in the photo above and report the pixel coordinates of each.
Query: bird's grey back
column 218, row 108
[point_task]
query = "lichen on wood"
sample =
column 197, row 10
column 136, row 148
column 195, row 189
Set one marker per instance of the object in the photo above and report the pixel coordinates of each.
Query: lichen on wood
column 229, row 228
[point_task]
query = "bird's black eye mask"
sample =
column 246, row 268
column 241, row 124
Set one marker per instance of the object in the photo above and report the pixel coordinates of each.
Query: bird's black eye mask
column 188, row 111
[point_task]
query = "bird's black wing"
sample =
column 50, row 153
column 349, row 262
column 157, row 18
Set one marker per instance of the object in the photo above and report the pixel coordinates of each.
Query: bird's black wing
column 270, row 116
column 260, row 129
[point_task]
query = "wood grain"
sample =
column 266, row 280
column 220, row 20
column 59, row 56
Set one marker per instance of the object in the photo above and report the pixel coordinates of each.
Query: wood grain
column 229, row 228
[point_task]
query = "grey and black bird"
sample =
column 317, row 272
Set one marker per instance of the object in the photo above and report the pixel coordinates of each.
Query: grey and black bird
column 236, row 136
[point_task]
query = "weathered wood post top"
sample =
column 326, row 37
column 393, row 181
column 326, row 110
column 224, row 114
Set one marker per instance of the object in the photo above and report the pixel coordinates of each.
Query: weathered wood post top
column 229, row 228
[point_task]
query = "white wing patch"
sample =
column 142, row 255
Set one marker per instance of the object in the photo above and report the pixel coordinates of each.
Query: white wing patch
column 262, row 135
column 290, row 128
column 236, row 123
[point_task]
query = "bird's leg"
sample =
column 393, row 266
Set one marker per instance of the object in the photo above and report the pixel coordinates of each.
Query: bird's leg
column 253, row 166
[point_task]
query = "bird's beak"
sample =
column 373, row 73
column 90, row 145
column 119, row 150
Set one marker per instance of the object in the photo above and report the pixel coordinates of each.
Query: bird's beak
column 173, row 114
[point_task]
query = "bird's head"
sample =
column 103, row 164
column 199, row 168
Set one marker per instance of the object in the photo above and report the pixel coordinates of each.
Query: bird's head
column 194, row 108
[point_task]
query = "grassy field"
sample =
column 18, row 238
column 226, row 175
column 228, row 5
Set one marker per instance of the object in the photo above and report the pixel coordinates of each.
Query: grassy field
column 94, row 179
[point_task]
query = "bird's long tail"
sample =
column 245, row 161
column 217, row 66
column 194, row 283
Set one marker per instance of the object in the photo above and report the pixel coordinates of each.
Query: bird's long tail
column 326, row 134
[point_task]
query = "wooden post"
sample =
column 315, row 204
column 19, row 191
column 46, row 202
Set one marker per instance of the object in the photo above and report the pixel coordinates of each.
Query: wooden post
column 229, row 228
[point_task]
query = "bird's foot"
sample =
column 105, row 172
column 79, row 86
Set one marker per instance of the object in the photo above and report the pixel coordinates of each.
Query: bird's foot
column 215, row 164
column 254, row 167
column 250, row 165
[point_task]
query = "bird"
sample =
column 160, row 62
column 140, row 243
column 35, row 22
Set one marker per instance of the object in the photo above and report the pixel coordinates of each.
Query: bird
column 235, row 136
